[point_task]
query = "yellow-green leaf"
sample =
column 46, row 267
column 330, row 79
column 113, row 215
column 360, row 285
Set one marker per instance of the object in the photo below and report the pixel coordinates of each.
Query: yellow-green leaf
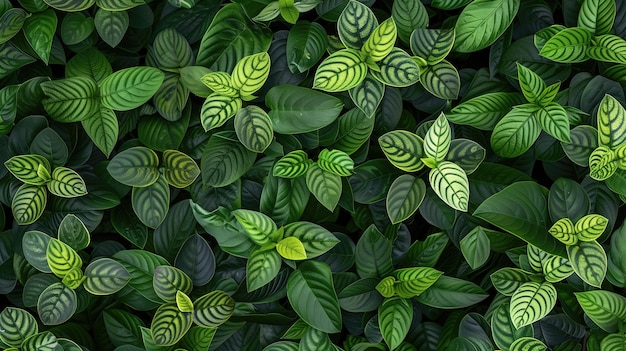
column 291, row 248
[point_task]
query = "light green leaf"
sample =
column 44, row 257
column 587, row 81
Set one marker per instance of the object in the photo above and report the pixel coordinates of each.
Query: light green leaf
column 553, row 120
column 531, row 83
column 183, row 302
column 168, row 281
column 590, row 227
column 397, row 69
column 515, row 133
column 597, row 16
column 292, row 165
column 105, row 276
column 386, row 287
column 325, row 186
column 221, row 83
column 39, row 31
column 254, row 128
column 507, row 280
column 380, row 43
column 217, row 109
column 44, row 341
column 179, row 169
column 291, row 248
column 404, row 197
column 527, row 344
column 316, row 239
column 563, row 230
column 482, row 22
column 137, row 167
column 603, row 163
column 450, row 183
column 437, row 139
column 261, row 268
column 311, row 293
column 611, row 123
column 103, row 129
column 336, row 162
column 411, row 282
column 394, row 319
column 613, row 342
column 608, row 48
column 355, row 24
column 62, row 258
column 213, row 309
column 28, row 203
column 169, row 324
column 111, row 25
column 342, row 70
column 403, row 149
column 257, row 225
column 606, row 309
column 56, row 304
column 568, row 46
column 589, row 261
column 151, row 203
column 67, row 183
column 484, row 111
column 71, row 99
column 17, row 326
column 25, row 168
column 130, row 88
column 531, row 302
column 432, row 45
column 250, row 73
column 556, row 268
column 442, row 80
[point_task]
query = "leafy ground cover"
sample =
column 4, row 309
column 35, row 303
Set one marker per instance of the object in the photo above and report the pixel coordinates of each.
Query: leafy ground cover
column 312, row 175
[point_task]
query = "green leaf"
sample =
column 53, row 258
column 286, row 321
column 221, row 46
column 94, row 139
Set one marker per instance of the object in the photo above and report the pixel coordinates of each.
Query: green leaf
column 198, row 338
column 336, row 162
column 606, row 309
column 39, row 30
column 507, row 280
column 160, row 134
column 475, row 247
column 151, row 203
column 409, row 15
column 311, row 293
column 169, row 325
column 527, row 344
column 403, row 149
column 171, row 50
column 411, row 282
column 111, row 25
column 325, row 186
column 373, row 254
column 44, row 341
column 484, row 111
column 179, row 169
column 502, row 329
column 261, row 268
column 404, row 197
column 306, row 44
column 62, row 258
column 441, row 80
column 515, row 133
column 17, row 326
column 57, row 303
column 213, row 309
column 118, row 5
column 75, row 28
column 183, row 302
column 254, row 128
column 288, row 11
column 168, row 281
column 73, row 232
column 553, row 120
column 603, row 163
column 363, row 294
column 342, row 70
column 355, row 24
column 66, row 182
column 316, row 239
column 432, row 45
column 532, row 84
column 613, row 342
column 437, row 139
column 137, row 167
column 452, row 293
column 394, row 319
column 35, row 244
column 380, row 43
column 130, row 88
column 28, row 203
column 103, row 129
column 368, row 95
column 450, row 183
column 563, row 230
column 282, row 346
column 221, row 83
column 296, row 109
column 611, row 123
column 397, row 69
column 568, row 46
column 250, row 73
column 583, row 141
column 88, row 63
column 608, row 48
column 482, row 22
column 467, row 154
column 520, row 209
column 196, row 259
column 105, row 276
column 292, row 165
column 10, row 23
column 257, row 225
column 386, row 287
column 14, row 59
column 71, row 99
column 531, row 302
column 589, row 261
column 291, row 248
column 140, row 264
column 590, row 227
column 597, row 16
column 25, row 168
column 230, row 37
column 217, row 109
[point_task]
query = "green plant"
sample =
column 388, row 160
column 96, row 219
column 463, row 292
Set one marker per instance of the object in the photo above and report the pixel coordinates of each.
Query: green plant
column 312, row 175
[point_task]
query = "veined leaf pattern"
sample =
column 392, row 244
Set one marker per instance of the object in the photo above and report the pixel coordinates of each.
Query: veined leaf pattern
column 342, row 70
column 531, row 302
column 381, row 41
column 356, row 23
column 403, row 149
column 450, row 183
